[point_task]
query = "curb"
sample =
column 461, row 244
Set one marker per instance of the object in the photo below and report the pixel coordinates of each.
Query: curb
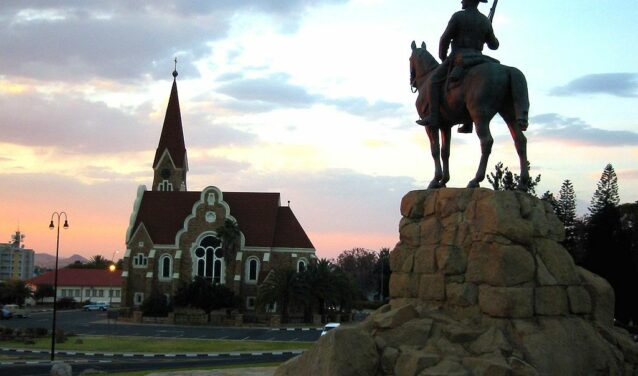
column 135, row 355
column 296, row 329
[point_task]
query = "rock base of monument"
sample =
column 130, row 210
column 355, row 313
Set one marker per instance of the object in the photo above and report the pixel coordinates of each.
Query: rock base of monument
column 480, row 285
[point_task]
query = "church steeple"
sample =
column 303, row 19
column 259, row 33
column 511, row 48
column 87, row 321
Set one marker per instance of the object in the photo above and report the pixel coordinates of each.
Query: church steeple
column 170, row 164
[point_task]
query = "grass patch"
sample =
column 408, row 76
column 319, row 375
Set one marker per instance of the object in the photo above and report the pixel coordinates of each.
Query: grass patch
column 144, row 373
column 157, row 345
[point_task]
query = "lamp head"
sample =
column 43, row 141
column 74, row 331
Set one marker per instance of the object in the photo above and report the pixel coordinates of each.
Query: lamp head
column 66, row 224
column 51, row 225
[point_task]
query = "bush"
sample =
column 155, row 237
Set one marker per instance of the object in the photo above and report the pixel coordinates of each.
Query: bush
column 66, row 303
column 200, row 293
column 156, row 305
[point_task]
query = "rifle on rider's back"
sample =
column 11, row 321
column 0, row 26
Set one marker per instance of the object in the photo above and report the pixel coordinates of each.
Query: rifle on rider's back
column 490, row 16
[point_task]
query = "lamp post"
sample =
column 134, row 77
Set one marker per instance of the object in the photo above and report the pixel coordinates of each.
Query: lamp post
column 55, row 273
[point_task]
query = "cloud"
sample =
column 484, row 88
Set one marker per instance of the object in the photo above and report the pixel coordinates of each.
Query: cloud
column 574, row 130
column 333, row 198
column 72, row 124
column 79, row 40
column 275, row 91
column 616, row 84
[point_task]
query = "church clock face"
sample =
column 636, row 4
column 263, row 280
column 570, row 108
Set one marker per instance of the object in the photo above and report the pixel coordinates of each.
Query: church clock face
column 166, row 173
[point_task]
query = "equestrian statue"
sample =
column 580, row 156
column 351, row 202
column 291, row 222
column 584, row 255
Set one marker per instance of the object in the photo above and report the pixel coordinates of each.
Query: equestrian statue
column 468, row 87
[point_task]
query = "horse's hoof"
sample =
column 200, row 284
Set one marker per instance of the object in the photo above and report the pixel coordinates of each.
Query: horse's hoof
column 473, row 184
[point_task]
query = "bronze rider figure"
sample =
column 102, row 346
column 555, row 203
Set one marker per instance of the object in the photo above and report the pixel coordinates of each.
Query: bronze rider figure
column 468, row 30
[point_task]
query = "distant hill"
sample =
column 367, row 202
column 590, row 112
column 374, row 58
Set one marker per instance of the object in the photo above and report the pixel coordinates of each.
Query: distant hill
column 47, row 261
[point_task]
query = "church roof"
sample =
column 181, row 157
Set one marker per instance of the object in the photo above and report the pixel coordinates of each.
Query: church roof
column 172, row 138
column 259, row 216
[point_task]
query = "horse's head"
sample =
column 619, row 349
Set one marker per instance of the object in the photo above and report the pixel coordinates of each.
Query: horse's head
column 421, row 63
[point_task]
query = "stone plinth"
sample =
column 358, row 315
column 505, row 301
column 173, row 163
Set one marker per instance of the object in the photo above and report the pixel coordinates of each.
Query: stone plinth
column 481, row 285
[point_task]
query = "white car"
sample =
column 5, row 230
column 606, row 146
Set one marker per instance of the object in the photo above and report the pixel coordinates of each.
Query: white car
column 16, row 311
column 96, row 307
column 329, row 326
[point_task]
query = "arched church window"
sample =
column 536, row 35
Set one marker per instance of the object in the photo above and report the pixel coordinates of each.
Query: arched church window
column 166, row 267
column 252, row 269
column 209, row 259
column 301, row 266
column 165, row 185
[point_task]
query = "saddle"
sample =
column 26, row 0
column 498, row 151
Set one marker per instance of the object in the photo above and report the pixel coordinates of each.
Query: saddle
column 462, row 62
column 466, row 60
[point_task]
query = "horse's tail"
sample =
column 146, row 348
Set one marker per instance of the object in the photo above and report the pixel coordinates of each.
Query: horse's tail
column 520, row 98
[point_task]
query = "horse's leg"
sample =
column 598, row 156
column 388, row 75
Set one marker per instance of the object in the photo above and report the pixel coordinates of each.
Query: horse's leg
column 446, row 140
column 484, row 135
column 433, row 135
column 520, row 142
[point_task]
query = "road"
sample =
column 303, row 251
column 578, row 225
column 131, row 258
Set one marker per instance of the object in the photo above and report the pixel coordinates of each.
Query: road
column 139, row 364
column 96, row 323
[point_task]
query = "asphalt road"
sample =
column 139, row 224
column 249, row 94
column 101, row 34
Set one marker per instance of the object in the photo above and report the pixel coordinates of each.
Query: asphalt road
column 96, row 323
column 143, row 364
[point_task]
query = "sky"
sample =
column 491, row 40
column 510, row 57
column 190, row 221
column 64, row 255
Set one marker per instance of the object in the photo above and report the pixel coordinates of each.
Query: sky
column 307, row 98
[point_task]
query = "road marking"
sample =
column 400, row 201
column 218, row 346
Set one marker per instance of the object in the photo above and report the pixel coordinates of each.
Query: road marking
column 245, row 338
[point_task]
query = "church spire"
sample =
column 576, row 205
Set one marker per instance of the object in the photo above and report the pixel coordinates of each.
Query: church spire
column 170, row 164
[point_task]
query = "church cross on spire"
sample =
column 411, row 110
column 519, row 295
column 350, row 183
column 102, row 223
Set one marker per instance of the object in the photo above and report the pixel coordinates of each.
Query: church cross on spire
column 175, row 70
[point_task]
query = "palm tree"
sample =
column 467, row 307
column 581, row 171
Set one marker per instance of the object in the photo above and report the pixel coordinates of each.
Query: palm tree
column 319, row 280
column 283, row 286
column 229, row 234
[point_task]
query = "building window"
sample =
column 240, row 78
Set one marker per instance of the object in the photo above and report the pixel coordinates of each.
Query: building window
column 209, row 259
column 87, row 293
column 165, row 267
column 165, row 185
column 271, row 307
column 252, row 269
column 138, row 298
column 100, row 293
column 301, row 265
column 77, row 293
column 117, row 293
column 250, row 302
column 140, row 260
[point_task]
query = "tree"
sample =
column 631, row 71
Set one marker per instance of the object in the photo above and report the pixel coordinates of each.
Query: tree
column 567, row 214
column 14, row 291
column 319, row 280
column 360, row 264
column 44, row 291
column 606, row 191
column 156, row 304
column 504, row 180
column 200, row 293
column 283, row 286
column 229, row 234
column 95, row 262
column 382, row 270
column 608, row 245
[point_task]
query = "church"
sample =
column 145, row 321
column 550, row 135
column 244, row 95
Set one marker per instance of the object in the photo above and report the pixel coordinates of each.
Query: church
column 175, row 235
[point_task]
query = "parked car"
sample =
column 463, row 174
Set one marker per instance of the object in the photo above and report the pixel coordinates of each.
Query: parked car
column 16, row 311
column 5, row 314
column 96, row 307
column 329, row 326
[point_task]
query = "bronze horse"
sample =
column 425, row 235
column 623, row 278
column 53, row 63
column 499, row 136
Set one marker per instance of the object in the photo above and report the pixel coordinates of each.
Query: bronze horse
column 485, row 90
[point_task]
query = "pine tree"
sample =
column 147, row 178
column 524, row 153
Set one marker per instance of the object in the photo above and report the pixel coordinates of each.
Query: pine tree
column 606, row 192
column 567, row 214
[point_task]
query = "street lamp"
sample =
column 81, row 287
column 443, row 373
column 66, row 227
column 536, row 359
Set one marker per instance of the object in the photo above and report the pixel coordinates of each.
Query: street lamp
column 55, row 273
